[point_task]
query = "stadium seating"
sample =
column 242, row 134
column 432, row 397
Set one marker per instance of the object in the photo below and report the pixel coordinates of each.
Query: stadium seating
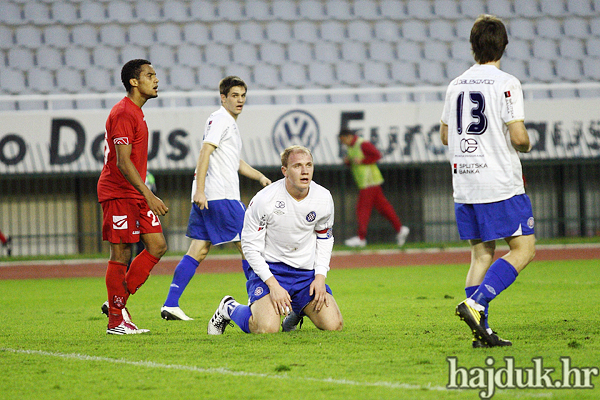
column 53, row 46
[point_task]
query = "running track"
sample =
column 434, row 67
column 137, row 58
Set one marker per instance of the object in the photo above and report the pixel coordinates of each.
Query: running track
column 342, row 259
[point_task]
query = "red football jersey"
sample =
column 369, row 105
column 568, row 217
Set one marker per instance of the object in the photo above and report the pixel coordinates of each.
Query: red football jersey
column 125, row 125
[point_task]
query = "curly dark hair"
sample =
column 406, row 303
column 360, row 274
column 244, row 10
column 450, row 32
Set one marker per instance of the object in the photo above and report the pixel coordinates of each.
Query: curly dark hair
column 131, row 70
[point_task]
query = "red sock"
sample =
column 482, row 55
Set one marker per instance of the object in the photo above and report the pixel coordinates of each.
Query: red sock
column 117, row 292
column 139, row 270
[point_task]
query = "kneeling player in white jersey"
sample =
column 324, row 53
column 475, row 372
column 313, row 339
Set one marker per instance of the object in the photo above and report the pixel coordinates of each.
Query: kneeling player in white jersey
column 287, row 240
column 483, row 126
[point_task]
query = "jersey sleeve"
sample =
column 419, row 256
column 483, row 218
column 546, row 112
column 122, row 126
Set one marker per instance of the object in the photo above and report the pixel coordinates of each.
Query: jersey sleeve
column 214, row 130
column 324, row 231
column 254, row 237
column 513, row 108
column 123, row 129
column 372, row 155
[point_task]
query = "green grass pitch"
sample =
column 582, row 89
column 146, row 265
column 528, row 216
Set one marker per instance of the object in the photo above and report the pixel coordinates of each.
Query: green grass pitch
column 399, row 330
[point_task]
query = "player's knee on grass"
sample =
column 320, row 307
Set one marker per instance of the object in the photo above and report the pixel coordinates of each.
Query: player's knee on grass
column 264, row 325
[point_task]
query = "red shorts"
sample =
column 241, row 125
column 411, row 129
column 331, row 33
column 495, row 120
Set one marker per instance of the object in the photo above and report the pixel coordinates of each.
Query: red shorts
column 125, row 219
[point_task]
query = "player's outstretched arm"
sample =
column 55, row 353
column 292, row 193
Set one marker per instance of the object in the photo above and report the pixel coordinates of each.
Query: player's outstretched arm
column 249, row 172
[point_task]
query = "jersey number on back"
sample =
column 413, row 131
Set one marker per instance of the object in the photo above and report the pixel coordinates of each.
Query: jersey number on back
column 479, row 124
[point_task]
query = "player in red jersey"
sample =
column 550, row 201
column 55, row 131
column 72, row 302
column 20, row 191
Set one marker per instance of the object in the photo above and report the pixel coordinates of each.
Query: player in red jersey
column 130, row 209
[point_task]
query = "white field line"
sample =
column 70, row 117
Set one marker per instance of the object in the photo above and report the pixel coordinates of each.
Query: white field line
column 228, row 372
column 220, row 371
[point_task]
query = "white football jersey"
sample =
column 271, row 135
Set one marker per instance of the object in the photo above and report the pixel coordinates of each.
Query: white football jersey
column 479, row 105
column 222, row 179
column 279, row 228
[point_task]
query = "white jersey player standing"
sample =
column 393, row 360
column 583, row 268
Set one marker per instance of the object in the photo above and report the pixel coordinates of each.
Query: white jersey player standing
column 217, row 214
column 287, row 239
column 483, row 126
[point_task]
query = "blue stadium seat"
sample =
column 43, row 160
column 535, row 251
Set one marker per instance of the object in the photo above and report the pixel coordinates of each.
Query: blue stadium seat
column 94, row 12
column 161, row 55
column 189, row 55
column 6, row 37
column 414, row 30
column 549, row 28
column 393, row 10
column 387, row 30
column 571, row 48
column 279, row 32
column 544, row 49
column 420, row 9
column 85, row 35
column 77, row 57
column 132, row 51
column 258, row 10
column 98, row 80
column 442, row 30
column 472, row 9
column 366, row 10
column 463, row 28
column 312, row 10
column 334, row 31
column 272, row 53
column 217, row 54
column 360, row 30
column 349, row 73
column 377, row 73
column 106, row 57
column 120, row 11
column 10, row 14
column 569, row 70
column 591, row 68
column 521, row 28
column 300, row 52
column 321, row 74
column 519, row 50
column 57, row 36
column 595, row 24
column 382, row 51
column 436, row 51
column 245, row 54
column 41, row 81
column 409, row 51
column 230, row 11
column 327, row 52
column 500, row 8
column 461, row 51
column 64, row 12
column 582, row 8
column 20, row 58
column 338, row 9
column 516, row 68
column 193, row 32
column 576, row 27
column 456, row 68
column 266, row 77
column 177, row 11
column 242, row 71
column 294, row 75
column 203, row 10
column 306, row 31
column 182, row 77
column 209, row 77
column 148, row 11
column 446, row 9
column 354, row 51
column 542, row 70
column 593, row 48
column 28, row 36
column 285, row 10
column 113, row 35
column 69, row 80
column 224, row 32
column 527, row 8
column 251, row 32
column 404, row 73
column 553, row 8
column 36, row 13
column 49, row 58
column 141, row 34
column 432, row 72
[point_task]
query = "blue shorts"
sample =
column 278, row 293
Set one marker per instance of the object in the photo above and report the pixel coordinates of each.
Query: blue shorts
column 295, row 281
column 493, row 221
column 221, row 223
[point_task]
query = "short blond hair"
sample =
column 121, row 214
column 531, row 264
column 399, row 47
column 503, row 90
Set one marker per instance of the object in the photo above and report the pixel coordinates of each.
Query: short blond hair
column 285, row 155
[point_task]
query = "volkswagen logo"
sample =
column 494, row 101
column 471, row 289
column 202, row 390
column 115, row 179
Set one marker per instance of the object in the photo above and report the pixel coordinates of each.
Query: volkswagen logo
column 296, row 127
